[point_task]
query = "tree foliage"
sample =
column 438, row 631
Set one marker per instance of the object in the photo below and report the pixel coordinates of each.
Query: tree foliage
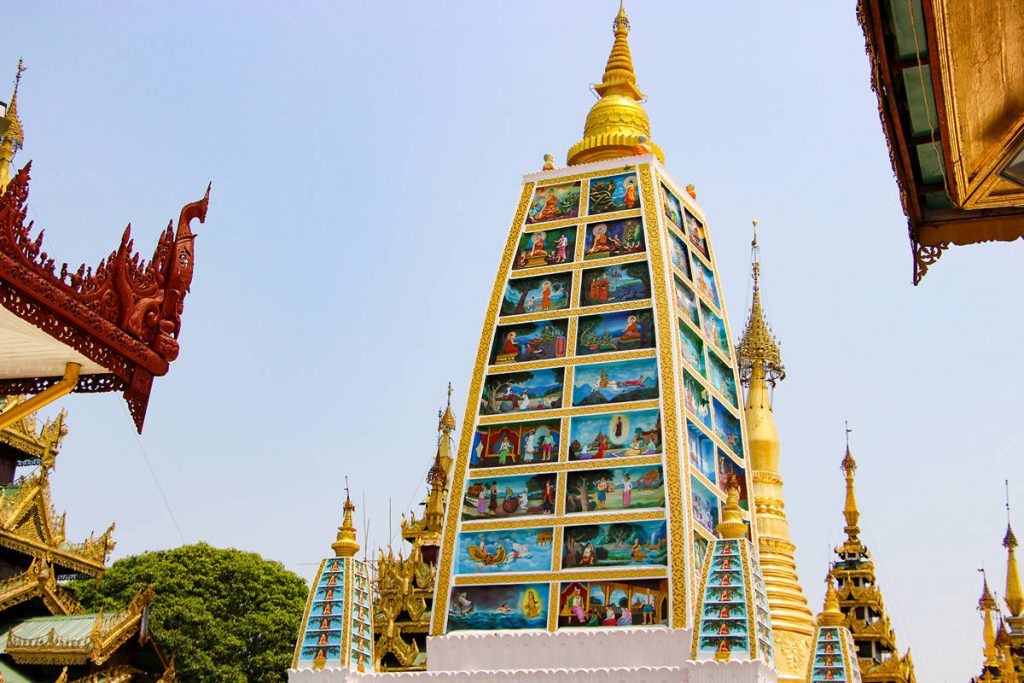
column 227, row 616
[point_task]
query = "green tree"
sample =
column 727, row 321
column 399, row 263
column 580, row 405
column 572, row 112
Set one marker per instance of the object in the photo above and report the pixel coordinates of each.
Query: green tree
column 227, row 616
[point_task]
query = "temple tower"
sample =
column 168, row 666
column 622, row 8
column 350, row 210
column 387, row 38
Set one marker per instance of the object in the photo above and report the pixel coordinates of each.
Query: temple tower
column 861, row 600
column 336, row 631
column 760, row 364
column 834, row 657
column 604, row 424
column 12, row 135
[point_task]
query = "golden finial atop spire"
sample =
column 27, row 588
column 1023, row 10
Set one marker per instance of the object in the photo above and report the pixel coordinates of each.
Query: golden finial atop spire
column 446, row 424
column 831, row 615
column 732, row 524
column 14, row 136
column 345, row 545
column 617, row 120
column 758, row 350
column 1014, row 597
column 987, row 605
column 849, row 468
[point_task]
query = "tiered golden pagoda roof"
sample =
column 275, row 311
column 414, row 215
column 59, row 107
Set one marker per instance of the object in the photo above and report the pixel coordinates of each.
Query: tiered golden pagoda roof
column 861, row 600
column 14, row 137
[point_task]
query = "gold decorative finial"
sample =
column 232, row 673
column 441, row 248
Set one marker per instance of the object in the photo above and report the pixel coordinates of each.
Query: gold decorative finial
column 758, row 350
column 1014, row 597
column 831, row 615
column 447, row 422
column 850, row 511
column 616, row 121
column 14, row 136
column 345, row 545
column 732, row 524
column 549, row 162
column 987, row 605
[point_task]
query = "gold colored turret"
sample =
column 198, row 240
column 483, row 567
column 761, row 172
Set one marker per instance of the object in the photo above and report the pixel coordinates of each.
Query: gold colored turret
column 617, row 120
column 831, row 615
column 732, row 524
column 1014, row 597
column 14, row 137
column 760, row 365
column 345, row 545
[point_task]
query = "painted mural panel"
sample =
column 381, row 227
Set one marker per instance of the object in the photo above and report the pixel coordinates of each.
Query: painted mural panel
column 701, row 450
column 546, row 248
column 680, row 255
column 517, row 443
column 695, row 231
column 505, row 550
column 619, row 331
column 696, row 398
column 727, row 428
column 700, row 551
column 516, row 496
column 729, row 473
column 673, row 209
column 537, row 294
column 713, row 328
column 692, row 348
column 615, row 545
column 724, row 625
column 686, row 301
column 554, row 202
column 722, row 378
column 524, row 342
column 614, row 193
column 704, row 505
column 495, row 608
column 601, row 383
column 589, row 604
column 615, row 284
column 513, row 392
column 704, row 281
column 322, row 638
column 615, row 435
column 361, row 654
column 615, row 488
column 614, row 238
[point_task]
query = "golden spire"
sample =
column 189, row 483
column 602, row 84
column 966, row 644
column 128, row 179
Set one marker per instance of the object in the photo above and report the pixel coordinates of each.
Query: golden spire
column 1014, row 597
column 14, row 136
column 345, row 545
column 831, row 615
column 617, row 120
column 850, row 512
column 987, row 605
column 758, row 351
column 447, row 422
column 732, row 524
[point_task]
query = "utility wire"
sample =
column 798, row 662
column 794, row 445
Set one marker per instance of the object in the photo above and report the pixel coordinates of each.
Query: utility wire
column 156, row 480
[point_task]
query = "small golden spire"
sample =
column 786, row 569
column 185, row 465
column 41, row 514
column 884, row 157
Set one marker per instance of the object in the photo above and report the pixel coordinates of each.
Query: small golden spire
column 831, row 615
column 758, row 350
column 987, row 605
column 345, row 545
column 850, row 512
column 14, row 136
column 447, row 422
column 1014, row 597
column 732, row 524
column 616, row 121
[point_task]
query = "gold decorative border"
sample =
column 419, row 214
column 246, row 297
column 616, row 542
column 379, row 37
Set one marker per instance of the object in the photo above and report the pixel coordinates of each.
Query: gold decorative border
column 582, row 220
column 576, row 310
column 575, row 519
column 558, row 268
column 610, row 574
column 564, row 466
column 566, row 361
column 748, row 595
column 554, row 595
column 569, row 411
column 583, row 176
column 446, row 565
column 350, row 597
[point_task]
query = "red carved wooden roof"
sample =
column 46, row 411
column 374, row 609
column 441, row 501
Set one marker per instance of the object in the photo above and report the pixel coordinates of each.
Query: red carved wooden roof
column 119, row 320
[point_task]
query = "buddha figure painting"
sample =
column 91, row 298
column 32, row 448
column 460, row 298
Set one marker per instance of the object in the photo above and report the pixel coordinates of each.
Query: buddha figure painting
column 704, row 505
column 727, row 428
column 700, row 550
column 529, row 341
column 628, row 282
column 625, row 602
column 498, row 607
column 696, row 398
column 722, row 378
column 619, row 331
column 546, row 248
column 673, row 210
column 701, row 450
column 704, row 281
column 513, row 392
column 517, row 496
column 615, row 488
column 680, row 255
column 536, row 294
column 695, row 231
column 692, row 348
column 686, row 302
column 601, row 383
column 713, row 328
column 518, row 443
column 729, row 474
column 614, row 193
column 615, row 435
column 504, row 550
column 618, row 544
column 614, row 238
column 554, row 202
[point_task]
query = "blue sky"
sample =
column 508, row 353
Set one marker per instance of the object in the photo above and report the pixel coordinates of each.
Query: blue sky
column 366, row 161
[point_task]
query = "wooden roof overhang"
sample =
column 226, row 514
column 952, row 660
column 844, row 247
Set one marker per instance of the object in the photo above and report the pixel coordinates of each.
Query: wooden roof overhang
column 119, row 321
column 949, row 76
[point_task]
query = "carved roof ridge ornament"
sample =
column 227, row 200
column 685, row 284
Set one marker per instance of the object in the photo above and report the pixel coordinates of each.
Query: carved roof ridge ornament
column 39, row 443
column 124, row 315
column 758, row 349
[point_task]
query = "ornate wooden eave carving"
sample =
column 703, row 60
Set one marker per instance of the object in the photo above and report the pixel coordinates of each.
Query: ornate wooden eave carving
column 124, row 315
column 37, row 442
column 38, row 581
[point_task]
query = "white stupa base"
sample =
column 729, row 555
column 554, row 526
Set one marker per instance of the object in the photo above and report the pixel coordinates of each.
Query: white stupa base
column 651, row 655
